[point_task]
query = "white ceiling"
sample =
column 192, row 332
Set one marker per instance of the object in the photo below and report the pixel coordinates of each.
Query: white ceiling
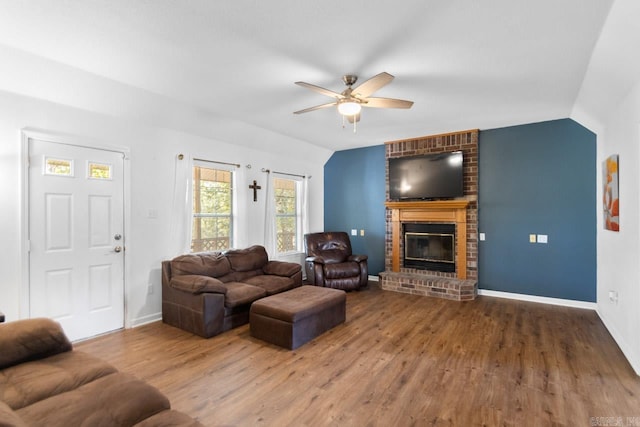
column 465, row 63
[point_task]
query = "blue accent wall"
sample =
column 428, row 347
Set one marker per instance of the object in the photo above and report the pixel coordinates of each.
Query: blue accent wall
column 533, row 179
column 354, row 196
column 538, row 179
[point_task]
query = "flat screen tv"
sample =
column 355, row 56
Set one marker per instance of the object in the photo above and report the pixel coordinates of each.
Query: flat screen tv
column 429, row 176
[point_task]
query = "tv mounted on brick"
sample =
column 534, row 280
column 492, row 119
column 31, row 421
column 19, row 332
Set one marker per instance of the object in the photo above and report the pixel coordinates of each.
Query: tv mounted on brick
column 426, row 177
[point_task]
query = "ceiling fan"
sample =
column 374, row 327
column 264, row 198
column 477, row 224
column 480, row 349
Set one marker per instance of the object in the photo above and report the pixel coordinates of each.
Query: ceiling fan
column 351, row 100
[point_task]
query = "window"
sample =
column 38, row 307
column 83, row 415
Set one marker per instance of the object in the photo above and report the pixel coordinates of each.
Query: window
column 212, row 208
column 99, row 171
column 288, row 214
column 59, row 167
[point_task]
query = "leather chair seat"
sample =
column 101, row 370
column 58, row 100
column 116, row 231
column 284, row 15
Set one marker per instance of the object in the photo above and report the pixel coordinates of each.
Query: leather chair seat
column 342, row 270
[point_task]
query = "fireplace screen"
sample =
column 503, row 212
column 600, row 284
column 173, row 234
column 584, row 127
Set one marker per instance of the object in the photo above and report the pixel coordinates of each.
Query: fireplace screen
column 429, row 247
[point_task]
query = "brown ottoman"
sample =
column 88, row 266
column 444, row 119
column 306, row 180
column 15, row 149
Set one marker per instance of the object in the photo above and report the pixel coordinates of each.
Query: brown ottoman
column 292, row 318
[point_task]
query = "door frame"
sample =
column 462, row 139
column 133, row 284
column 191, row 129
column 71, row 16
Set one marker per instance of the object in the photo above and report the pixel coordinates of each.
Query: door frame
column 78, row 141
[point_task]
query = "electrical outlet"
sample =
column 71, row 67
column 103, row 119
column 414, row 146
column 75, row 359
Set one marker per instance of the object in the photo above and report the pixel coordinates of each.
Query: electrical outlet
column 354, row 232
column 542, row 238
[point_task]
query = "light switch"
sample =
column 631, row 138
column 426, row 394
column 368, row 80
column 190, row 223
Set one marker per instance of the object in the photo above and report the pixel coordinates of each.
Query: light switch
column 532, row 238
column 362, row 232
column 613, row 296
column 482, row 237
column 542, row 238
column 354, row 232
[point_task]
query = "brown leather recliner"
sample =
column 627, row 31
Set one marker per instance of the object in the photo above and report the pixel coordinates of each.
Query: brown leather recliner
column 331, row 264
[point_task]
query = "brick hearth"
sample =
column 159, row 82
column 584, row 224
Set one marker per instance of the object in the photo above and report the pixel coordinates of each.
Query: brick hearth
column 459, row 285
column 431, row 286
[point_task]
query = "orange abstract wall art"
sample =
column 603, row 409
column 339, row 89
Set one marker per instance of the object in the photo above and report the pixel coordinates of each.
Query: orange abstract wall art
column 610, row 199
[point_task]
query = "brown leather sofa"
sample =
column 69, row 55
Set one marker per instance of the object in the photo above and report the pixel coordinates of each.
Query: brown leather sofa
column 331, row 264
column 44, row 382
column 211, row 292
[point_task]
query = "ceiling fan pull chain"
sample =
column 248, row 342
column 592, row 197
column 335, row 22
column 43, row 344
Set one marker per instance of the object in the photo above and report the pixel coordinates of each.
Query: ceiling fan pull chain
column 354, row 123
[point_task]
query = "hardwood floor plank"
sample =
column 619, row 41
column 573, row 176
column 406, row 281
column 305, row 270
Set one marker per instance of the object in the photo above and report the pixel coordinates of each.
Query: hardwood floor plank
column 397, row 360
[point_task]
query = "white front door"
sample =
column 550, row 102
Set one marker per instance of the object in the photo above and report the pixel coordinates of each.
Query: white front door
column 76, row 225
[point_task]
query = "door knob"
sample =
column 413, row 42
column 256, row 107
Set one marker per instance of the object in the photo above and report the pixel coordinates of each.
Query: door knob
column 117, row 249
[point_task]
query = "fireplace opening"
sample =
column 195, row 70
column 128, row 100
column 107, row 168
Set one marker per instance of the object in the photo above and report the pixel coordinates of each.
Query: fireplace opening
column 430, row 246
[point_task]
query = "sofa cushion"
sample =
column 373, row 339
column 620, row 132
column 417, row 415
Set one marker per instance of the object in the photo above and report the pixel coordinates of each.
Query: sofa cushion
column 342, row 270
column 212, row 264
column 114, row 400
column 8, row 417
column 21, row 385
column 30, row 339
column 241, row 276
column 198, row 284
column 272, row 284
column 252, row 258
column 281, row 268
column 242, row 293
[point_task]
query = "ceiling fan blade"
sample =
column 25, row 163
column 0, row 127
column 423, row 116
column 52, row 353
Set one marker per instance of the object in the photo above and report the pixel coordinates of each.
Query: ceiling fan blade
column 321, row 90
column 386, row 103
column 355, row 118
column 372, row 85
column 317, row 107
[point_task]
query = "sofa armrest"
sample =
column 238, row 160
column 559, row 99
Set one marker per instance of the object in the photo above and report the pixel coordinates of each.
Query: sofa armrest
column 31, row 339
column 281, row 268
column 358, row 258
column 315, row 259
column 196, row 284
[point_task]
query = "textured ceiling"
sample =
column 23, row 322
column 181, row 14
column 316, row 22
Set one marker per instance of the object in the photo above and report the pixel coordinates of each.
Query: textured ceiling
column 465, row 63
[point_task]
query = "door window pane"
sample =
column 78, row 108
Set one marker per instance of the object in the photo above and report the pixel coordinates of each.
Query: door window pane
column 99, row 171
column 60, row 167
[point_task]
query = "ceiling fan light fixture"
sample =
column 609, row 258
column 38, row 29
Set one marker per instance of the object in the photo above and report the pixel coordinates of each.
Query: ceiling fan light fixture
column 349, row 108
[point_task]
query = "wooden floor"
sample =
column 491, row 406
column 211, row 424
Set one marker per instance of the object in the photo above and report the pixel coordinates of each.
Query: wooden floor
column 399, row 360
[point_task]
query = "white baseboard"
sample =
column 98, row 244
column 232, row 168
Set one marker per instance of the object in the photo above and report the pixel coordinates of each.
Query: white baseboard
column 632, row 357
column 543, row 300
column 374, row 278
column 150, row 318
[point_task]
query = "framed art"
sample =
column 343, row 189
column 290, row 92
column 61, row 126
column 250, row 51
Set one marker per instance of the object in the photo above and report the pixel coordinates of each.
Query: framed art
column 610, row 197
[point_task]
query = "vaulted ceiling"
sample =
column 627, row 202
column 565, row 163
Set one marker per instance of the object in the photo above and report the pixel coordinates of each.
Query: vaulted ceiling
column 465, row 63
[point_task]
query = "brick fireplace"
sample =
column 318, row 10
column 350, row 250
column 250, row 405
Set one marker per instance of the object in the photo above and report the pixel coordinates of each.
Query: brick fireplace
column 460, row 284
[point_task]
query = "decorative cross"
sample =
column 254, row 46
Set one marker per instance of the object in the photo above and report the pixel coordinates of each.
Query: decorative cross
column 255, row 187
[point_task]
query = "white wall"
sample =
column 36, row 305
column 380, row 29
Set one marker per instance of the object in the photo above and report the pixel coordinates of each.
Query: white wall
column 609, row 104
column 619, row 252
column 154, row 130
